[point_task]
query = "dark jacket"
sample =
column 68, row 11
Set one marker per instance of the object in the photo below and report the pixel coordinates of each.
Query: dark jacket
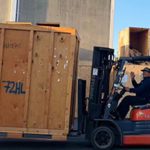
column 142, row 89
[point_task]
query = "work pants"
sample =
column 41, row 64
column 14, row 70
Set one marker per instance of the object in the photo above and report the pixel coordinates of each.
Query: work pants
column 128, row 101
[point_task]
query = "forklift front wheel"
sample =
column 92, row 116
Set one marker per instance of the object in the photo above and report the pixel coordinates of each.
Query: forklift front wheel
column 103, row 138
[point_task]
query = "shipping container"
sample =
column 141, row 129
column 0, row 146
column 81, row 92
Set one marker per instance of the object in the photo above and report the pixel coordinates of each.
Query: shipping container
column 38, row 73
column 134, row 42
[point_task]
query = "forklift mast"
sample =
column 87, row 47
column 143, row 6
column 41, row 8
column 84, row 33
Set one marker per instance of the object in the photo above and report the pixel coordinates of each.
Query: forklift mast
column 99, row 89
column 99, row 86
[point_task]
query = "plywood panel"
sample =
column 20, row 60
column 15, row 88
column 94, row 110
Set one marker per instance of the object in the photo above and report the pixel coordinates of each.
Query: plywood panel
column 144, row 43
column 112, row 78
column 70, row 87
column 123, row 43
column 74, row 85
column 28, row 78
column 1, row 49
column 134, row 41
column 13, row 80
column 38, row 102
column 59, row 81
column 139, row 41
column 137, row 70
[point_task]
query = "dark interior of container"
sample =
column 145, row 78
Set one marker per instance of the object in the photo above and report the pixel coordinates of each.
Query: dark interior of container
column 139, row 40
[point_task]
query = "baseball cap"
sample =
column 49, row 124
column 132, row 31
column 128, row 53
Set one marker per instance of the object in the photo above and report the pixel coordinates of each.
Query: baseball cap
column 146, row 69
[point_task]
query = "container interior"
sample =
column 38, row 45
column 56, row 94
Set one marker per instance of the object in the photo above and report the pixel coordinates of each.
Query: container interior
column 139, row 40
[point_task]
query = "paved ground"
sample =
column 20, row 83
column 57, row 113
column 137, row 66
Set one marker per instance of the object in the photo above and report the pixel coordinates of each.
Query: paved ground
column 71, row 145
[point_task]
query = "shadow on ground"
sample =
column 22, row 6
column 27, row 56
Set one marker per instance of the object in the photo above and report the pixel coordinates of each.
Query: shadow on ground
column 40, row 145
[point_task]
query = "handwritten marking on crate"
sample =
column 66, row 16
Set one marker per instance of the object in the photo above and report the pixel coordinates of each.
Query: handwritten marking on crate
column 13, row 87
column 12, row 45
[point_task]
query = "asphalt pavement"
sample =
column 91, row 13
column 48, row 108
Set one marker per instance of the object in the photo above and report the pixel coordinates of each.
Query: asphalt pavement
column 44, row 145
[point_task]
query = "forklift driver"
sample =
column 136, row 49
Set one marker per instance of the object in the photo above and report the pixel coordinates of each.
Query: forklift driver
column 142, row 91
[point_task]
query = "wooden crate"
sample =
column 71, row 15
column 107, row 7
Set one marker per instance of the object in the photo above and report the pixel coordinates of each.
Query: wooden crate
column 134, row 42
column 38, row 72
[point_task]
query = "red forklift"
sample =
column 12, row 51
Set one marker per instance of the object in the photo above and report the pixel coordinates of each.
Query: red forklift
column 96, row 121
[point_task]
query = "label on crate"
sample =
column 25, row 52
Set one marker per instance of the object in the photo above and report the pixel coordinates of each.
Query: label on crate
column 12, row 87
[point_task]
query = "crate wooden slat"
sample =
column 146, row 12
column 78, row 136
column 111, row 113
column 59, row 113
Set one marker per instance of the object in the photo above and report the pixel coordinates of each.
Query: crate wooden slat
column 13, row 75
column 1, row 49
column 38, row 79
column 28, row 79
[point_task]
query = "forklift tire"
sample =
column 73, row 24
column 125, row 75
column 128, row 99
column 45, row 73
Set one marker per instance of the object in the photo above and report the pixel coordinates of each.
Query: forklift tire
column 103, row 138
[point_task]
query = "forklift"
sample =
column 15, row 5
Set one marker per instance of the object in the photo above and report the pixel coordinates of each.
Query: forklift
column 95, row 113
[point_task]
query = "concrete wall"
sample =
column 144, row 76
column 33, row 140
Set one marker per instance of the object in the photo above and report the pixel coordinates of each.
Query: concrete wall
column 5, row 8
column 92, row 18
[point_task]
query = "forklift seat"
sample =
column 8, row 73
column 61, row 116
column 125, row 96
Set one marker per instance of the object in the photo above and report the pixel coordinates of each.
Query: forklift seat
column 140, row 113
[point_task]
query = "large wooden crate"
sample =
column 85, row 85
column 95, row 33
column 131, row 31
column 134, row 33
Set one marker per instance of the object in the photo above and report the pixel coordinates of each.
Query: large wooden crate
column 134, row 42
column 38, row 70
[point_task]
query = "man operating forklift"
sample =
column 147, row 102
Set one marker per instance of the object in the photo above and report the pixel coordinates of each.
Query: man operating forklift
column 104, row 127
column 142, row 91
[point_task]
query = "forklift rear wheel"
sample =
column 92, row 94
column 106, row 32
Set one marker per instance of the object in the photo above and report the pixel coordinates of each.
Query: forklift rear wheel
column 103, row 138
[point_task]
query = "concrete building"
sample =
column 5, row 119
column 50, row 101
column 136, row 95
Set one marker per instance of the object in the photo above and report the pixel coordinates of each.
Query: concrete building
column 92, row 18
column 7, row 10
